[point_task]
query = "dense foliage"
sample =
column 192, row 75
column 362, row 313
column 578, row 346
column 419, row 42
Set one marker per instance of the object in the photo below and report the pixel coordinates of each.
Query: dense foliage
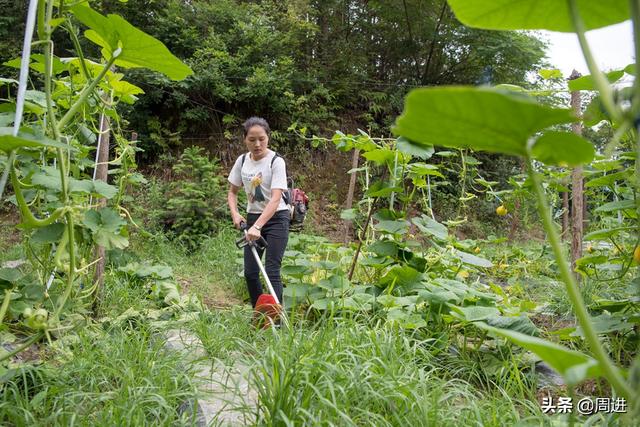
column 321, row 64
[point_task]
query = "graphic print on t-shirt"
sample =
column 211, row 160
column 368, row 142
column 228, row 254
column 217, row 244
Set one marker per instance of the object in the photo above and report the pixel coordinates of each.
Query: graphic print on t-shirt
column 256, row 191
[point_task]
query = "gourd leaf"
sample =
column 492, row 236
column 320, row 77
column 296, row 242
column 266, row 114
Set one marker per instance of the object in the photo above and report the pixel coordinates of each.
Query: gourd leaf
column 479, row 118
column 553, row 15
column 563, row 148
column 138, row 49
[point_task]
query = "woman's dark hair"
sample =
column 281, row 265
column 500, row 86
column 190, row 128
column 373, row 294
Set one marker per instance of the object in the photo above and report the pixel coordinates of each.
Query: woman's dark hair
column 255, row 121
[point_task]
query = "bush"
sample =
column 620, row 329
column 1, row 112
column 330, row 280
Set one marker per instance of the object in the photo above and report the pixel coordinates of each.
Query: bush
column 189, row 205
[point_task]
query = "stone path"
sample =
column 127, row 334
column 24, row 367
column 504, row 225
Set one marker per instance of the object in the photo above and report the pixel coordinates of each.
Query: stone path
column 226, row 396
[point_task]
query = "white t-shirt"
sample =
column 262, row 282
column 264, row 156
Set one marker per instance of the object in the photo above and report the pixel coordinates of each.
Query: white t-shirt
column 258, row 178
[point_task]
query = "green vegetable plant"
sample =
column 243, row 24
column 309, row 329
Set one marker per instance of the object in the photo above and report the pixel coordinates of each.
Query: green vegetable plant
column 501, row 121
column 48, row 162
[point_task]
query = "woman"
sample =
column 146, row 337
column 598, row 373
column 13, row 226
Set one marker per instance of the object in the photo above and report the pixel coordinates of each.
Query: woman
column 264, row 178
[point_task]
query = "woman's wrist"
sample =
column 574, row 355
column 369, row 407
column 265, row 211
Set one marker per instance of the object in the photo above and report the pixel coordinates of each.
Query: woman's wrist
column 257, row 227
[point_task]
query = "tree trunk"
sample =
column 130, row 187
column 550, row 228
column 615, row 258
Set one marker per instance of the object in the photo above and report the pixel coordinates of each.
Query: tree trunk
column 577, row 205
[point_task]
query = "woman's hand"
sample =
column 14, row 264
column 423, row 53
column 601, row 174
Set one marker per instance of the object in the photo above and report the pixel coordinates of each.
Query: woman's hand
column 253, row 234
column 237, row 220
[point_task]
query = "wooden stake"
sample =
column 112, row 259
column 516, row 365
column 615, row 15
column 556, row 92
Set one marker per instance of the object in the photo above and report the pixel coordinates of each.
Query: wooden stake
column 352, row 189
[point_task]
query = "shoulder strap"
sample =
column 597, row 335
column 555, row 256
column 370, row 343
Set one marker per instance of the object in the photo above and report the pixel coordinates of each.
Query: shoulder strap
column 273, row 159
column 243, row 158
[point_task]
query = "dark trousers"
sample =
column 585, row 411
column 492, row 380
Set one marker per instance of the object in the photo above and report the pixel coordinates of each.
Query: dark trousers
column 276, row 233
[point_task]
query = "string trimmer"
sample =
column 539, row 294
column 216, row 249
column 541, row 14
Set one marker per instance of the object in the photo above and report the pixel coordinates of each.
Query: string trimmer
column 268, row 309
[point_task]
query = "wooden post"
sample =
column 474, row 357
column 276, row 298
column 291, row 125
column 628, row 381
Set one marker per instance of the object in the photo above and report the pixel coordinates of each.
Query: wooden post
column 565, row 212
column 352, row 189
column 101, row 172
column 577, row 205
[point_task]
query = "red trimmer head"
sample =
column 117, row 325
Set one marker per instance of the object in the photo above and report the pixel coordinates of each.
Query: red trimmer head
column 267, row 311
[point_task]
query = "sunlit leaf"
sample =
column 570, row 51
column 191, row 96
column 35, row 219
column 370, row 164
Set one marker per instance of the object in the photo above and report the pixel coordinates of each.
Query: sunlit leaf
column 553, row 15
column 562, row 148
column 478, row 118
column 586, row 82
column 550, row 74
column 138, row 49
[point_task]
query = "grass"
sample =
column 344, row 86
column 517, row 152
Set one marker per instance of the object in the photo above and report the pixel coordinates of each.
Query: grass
column 119, row 377
column 351, row 371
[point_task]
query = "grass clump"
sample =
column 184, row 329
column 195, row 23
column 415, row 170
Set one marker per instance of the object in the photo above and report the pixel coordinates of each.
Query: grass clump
column 121, row 377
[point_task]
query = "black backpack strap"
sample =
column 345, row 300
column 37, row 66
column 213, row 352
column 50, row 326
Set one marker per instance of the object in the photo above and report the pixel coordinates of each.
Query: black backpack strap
column 243, row 159
column 273, row 159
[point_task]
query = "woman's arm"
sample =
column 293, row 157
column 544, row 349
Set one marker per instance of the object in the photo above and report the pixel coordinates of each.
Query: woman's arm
column 232, row 201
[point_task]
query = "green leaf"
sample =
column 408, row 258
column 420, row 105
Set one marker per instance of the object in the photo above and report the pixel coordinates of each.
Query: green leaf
column 474, row 313
column 553, row 15
column 25, row 139
column 606, row 233
column 393, row 227
column 431, row 227
column 616, row 206
column 520, row 324
column 550, row 74
column 138, row 49
column 562, row 148
column 591, row 260
column 380, row 156
column 606, row 323
column 10, row 275
column 107, row 228
column 49, row 234
column 472, row 259
column 384, row 248
column 423, row 169
column 572, row 365
column 7, row 119
column 477, row 118
column 586, row 82
column 414, row 149
column 630, row 69
column 609, row 180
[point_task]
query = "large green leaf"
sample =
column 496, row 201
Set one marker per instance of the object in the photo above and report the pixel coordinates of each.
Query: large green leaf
column 586, row 82
column 384, row 248
column 139, row 49
column 107, row 228
column 470, row 259
column 479, row 118
column 563, row 148
column 475, row 313
column 619, row 205
column 415, row 150
column 431, row 226
column 572, row 365
column 393, row 227
column 551, row 15
column 8, row 142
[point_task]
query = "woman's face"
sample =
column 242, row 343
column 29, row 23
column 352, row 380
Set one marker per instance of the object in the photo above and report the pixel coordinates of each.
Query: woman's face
column 257, row 140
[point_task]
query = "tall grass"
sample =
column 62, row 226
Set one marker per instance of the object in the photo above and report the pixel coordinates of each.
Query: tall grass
column 119, row 377
column 350, row 372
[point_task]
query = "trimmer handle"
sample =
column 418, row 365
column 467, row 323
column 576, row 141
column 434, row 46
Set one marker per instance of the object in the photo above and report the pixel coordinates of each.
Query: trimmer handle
column 242, row 242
